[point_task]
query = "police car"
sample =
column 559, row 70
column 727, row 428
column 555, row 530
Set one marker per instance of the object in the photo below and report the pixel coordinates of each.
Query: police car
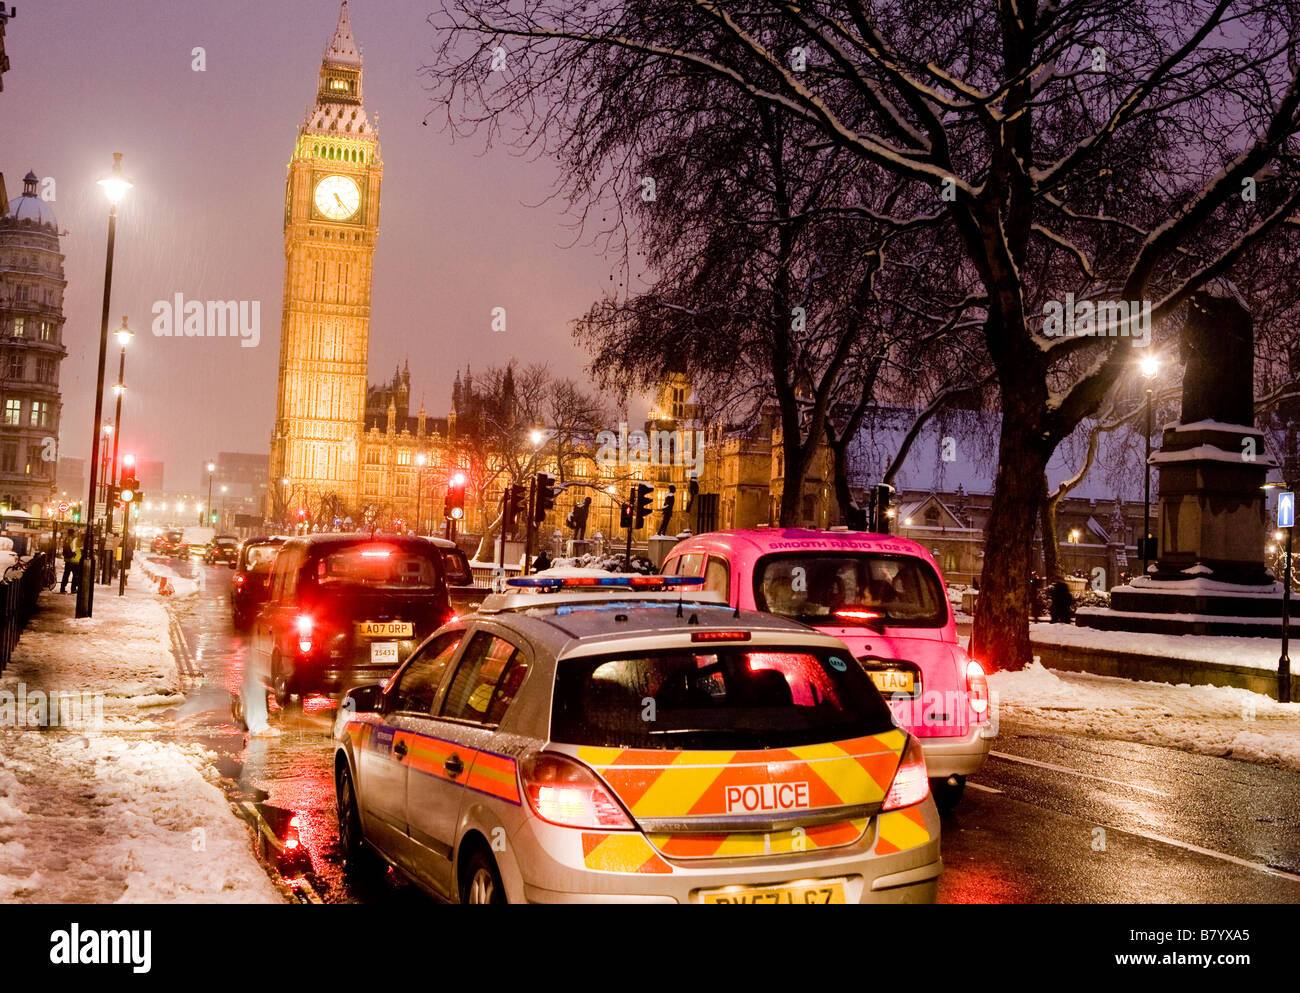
column 612, row 739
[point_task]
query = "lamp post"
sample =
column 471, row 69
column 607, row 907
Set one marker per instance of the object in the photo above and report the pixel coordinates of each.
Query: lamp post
column 284, row 500
column 420, row 461
column 224, row 487
column 123, row 334
column 115, row 186
column 211, row 469
column 1149, row 367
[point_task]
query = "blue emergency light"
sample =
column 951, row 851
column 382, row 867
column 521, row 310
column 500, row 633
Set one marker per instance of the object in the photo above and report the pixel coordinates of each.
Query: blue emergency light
column 622, row 582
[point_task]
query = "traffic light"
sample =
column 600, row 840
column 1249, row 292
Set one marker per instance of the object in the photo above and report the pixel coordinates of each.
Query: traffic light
column 883, row 491
column 546, row 491
column 454, row 507
column 213, row 515
column 625, row 515
column 641, row 494
column 129, row 489
column 515, row 498
column 76, row 515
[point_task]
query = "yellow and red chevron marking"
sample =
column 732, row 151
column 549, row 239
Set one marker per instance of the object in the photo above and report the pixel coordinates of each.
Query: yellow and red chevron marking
column 665, row 783
column 624, row 851
column 900, row 829
column 494, row 775
column 700, row 846
column 427, row 755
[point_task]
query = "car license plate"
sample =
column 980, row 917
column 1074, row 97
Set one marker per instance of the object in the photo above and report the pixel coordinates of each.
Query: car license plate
column 383, row 653
column 818, row 891
column 386, row 629
column 893, row 680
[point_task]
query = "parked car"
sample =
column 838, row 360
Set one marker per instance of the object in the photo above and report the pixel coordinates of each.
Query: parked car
column 249, row 586
column 885, row 598
column 344, row 610
column 224, row 548
column 768, row 769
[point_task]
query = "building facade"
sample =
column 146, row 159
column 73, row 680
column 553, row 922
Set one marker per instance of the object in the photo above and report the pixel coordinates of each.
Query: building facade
column 31, row 351
column 331, row 222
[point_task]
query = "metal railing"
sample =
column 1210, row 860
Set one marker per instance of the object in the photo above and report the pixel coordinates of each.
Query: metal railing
column 19, row 590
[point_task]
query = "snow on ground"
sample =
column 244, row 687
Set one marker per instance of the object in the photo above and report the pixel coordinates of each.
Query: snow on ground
column 154, row 570
column 95, row 809
column 1254, row 653
column 1211, row 720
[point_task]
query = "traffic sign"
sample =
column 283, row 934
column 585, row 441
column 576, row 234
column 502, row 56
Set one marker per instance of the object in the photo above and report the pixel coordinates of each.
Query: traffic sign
column 63, row 506
column 1286, row 509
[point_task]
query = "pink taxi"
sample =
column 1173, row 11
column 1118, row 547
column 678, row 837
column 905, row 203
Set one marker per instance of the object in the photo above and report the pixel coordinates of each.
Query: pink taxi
column 884, row 597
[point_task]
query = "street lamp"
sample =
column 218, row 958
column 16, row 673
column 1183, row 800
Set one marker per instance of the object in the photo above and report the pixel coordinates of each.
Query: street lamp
column 115, row 186
column 1149, row 366
column 124, row 335
column 224, row 487
column 211, row 469
column 421, row 461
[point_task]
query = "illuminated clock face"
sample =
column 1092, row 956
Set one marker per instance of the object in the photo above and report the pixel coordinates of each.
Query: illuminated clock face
column 337, row 197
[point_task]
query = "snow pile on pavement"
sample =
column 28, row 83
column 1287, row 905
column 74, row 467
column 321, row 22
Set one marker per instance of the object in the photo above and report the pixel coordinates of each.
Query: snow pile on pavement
column 102, row 811
column 1252, row 653
column 1210, row 720
column 154, row 571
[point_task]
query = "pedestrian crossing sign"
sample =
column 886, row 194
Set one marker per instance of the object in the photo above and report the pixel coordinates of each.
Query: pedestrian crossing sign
column 1286, row 509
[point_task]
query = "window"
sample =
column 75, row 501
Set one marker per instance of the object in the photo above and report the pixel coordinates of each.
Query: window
column 9, row 456
column 403, row 483
column 19, row 327
column 13, row 412
column 691, row 565
column 374, row 564
column 40, row 414
column 419, row 681
column 486, row 682
column 717, row 578
column 47, row 331
column 725, row 698
column 46, row 370
column 843, row 588
column 17, row 365
column 404, row 456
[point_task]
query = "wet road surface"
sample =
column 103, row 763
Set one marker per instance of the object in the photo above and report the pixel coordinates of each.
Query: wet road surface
column 287, row 780
column 1051, row 817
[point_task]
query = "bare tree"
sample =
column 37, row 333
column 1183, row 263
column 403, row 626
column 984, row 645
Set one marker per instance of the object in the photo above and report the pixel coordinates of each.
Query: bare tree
column 1111, row 140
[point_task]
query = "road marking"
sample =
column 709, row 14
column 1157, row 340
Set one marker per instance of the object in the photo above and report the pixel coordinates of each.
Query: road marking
column 1221, row 856
column 1075, row 772
column 981, row 787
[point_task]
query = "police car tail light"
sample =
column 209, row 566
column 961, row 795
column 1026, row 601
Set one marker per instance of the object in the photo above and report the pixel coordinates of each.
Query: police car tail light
column 911, row 782
column 562, row 791
column 977, row 689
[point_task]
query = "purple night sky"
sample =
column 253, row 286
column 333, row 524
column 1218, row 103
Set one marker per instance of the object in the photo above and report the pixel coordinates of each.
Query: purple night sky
column 207, row 152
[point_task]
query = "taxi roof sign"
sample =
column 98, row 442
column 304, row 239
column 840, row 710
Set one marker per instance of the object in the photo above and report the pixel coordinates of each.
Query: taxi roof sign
column 1286, row 509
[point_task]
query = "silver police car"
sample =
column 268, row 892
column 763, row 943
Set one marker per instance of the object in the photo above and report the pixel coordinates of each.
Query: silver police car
column 590, row 739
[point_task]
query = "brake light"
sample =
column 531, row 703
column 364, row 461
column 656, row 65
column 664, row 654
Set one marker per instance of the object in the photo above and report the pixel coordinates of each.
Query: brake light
column 911, row 782
column 564, row 792
column 857, row 615
column 977, row 689
column 303, row 623
column 240, row 578
column 719, row 636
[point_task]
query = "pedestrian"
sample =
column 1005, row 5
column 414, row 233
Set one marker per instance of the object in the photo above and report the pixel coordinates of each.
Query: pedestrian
column 543, row 561
column 71, row 560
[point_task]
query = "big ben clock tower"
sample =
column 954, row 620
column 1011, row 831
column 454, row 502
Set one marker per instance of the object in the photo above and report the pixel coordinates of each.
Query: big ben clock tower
column 331, row 220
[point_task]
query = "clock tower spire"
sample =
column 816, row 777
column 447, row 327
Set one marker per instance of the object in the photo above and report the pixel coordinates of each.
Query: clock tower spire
column 331, row 221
